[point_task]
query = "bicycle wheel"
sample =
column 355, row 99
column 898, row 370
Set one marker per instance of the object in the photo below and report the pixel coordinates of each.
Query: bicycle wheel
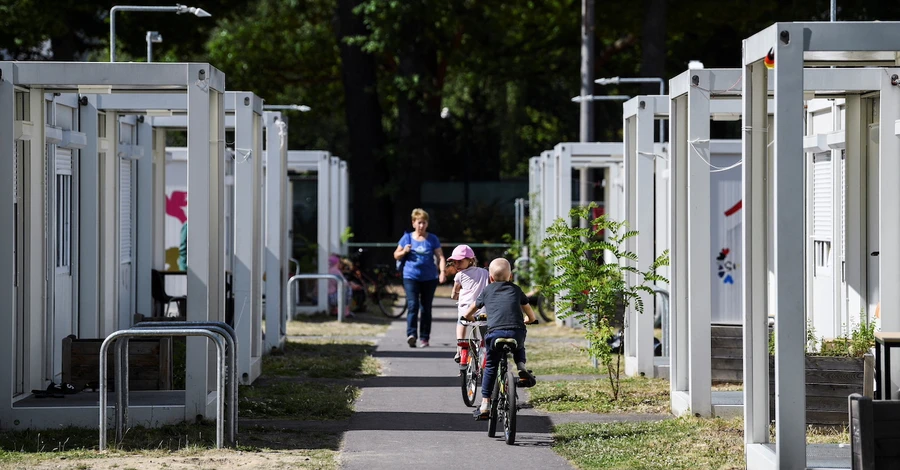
column 509, row 422
column 469, row 380
column 389, row 299
column 492, row 420
column 543, row 308
column 358, row 297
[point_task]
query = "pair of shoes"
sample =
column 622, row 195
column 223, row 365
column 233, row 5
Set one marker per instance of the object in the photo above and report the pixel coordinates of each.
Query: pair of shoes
column 424, row 343
column 411, row 341
column 526, row 378
column 481, row 414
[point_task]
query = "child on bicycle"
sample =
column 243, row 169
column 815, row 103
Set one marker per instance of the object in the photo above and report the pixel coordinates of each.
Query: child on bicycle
column 334, row 267
column 468, row 283
column 504, row 302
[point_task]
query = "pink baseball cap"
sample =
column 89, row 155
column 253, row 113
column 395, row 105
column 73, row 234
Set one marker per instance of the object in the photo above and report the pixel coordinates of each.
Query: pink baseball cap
column 462, row 252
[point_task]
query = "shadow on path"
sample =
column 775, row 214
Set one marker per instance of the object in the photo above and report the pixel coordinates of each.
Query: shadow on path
column 419, row 421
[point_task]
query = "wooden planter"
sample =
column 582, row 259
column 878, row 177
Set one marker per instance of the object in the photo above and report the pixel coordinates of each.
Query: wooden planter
column 829, row 381
column 727, row 349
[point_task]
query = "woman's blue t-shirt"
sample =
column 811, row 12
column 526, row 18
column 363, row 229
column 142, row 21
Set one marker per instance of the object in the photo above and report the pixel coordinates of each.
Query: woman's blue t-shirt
column 420, row 264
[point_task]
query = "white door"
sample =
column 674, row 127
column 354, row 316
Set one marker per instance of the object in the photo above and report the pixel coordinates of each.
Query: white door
column 873, row 275
column 822, row 223
column 125, row 281
column 64, row 216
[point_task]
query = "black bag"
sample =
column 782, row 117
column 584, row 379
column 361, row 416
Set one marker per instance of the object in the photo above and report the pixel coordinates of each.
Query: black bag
column 402, row 262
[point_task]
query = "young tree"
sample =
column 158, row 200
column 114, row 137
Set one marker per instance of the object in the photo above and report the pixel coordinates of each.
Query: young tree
column 591, row 291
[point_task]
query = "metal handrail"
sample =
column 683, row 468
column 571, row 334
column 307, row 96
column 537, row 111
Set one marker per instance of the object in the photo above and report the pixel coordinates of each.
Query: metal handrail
column 289, row 307
column 162, row 332
column 231, row 343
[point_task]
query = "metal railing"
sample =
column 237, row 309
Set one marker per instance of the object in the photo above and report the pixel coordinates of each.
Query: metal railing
column 289, row 309
column 231, row 378
column 158, row 333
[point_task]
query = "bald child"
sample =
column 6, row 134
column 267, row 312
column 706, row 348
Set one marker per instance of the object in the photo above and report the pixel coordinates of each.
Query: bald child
column 505, row 304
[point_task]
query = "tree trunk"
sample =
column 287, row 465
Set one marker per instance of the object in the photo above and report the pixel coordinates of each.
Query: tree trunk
column 653, row 47
column 368, row 167
column 64, row 47
column 417, row 112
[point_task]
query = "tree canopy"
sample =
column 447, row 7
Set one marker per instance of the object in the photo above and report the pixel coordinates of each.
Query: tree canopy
column 378, row 74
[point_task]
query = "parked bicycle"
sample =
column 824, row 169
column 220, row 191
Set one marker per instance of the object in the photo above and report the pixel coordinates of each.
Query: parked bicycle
column 541, row 303
column 381, row 285
column 504, row 398
column 472, row 357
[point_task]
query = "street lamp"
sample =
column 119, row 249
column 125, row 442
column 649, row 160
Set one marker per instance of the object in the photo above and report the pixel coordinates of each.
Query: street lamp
column 152, row 36
column 290, row 107
column 579, row 99
column 618, row 80
column 179, row 9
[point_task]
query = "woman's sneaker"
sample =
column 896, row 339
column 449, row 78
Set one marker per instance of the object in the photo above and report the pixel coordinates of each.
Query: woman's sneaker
column 411, row 341
column 424, row 343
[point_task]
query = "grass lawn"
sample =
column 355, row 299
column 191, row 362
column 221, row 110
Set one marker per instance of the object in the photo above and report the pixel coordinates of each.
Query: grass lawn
column 362, row 324
column 678, row 443
column 636, row 395
column 313, row 379
column 557, row 350
column 177, row 446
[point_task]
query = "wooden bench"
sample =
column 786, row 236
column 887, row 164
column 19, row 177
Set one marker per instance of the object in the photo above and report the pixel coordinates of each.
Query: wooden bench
column 150, row 363
column 874, row 433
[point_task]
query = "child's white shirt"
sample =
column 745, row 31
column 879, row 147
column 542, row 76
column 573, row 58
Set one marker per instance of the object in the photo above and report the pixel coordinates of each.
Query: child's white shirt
column 472, row 281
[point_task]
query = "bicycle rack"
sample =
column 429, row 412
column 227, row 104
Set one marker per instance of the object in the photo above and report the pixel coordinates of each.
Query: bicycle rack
column 231, row 382
column 155, row 333
column 342, row 283
column 665, row 319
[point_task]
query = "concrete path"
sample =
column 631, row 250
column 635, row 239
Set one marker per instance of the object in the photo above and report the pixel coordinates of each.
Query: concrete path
column 413, row 415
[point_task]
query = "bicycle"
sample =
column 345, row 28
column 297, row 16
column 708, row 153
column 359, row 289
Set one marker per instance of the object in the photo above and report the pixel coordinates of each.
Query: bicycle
column 504, row 398
column 472, row 358
column 536, row 299
column 381, row 286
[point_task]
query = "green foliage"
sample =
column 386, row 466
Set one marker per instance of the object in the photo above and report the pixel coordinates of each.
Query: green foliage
column 287, row 53
column 592, row 291
column 860, row 340
column 347, row 235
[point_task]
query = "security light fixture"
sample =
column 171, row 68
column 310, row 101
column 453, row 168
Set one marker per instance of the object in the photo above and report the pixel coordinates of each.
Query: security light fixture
column 289, row 107
column 178, row 8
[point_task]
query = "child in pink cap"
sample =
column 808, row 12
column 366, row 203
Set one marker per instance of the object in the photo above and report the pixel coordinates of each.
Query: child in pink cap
column 470, row 280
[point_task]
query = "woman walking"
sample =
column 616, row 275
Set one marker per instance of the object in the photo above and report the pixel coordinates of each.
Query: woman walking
column 416, row 252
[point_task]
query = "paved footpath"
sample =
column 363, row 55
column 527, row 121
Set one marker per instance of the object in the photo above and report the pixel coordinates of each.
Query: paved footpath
column 413, row 415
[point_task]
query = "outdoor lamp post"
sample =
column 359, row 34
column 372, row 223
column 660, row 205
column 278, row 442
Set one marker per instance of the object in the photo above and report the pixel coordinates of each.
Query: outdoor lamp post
column 179, row 9
column 579, row 99
column 289, row 107
column 618, row 80
column 152, row 36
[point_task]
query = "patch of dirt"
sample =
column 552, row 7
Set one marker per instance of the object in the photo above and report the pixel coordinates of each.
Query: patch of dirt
column 211, row 459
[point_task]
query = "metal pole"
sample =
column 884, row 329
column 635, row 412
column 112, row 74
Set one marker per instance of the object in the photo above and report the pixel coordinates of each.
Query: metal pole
column 586, row 121
column 833, row 11
column 149, row 49
column 220, row 368
column 112, row 34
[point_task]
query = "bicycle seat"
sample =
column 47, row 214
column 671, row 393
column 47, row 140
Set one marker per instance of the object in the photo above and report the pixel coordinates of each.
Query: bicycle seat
column 508, row 342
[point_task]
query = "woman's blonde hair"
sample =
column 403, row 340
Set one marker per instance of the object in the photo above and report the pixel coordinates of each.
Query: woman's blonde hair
column 419, row 213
